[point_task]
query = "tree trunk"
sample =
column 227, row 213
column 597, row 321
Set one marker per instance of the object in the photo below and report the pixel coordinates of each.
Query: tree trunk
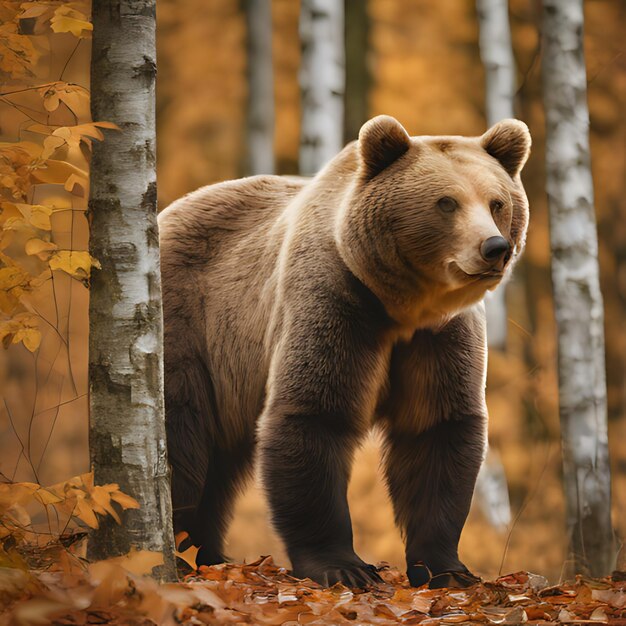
column 577, row 298
column 496, row 53
column 260, row 87
column 127, row 428
column 322, row 82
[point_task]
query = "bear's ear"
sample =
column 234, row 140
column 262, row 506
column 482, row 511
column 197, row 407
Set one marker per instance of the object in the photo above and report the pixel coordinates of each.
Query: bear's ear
column 509, row 142
column 382, row 140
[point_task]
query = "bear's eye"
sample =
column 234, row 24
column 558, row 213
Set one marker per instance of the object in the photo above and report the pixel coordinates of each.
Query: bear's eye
column 496, row 206
column 447, row 204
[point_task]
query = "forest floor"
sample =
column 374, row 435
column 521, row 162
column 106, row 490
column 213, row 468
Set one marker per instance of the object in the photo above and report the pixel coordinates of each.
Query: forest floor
column 263, row 593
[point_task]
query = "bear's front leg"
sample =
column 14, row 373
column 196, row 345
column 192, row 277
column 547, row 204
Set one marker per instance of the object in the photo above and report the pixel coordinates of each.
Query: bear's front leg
column 329, row 362
column 435, row 420
column 306, row 462
column 431, row 479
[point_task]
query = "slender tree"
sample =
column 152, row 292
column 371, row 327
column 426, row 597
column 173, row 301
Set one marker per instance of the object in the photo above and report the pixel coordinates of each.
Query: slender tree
column 260, row 87
column 127, row 428
column 577, row 298
column 496, row 53
column 322, row 82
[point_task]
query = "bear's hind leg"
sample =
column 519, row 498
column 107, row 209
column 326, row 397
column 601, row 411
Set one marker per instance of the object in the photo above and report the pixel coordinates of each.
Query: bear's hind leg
column 208, row 467
column 431, row 479
column 229, row 467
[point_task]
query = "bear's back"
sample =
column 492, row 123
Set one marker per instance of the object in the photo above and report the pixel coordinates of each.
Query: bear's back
column 198, row 226
column 219, row 249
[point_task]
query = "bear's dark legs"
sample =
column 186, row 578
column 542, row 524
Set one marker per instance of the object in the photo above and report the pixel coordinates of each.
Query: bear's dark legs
column 227, row 471
column 188, row 455
column 207, row 470
column 205, row 513
column 306, row 462
column 431, row 479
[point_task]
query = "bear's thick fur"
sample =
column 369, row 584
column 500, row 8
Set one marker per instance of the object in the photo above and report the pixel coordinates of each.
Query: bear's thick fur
column 300, row 313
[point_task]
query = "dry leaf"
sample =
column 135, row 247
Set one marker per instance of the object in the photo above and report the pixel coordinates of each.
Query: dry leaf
column 69, row 20
column 138, row 562
column 76, row 263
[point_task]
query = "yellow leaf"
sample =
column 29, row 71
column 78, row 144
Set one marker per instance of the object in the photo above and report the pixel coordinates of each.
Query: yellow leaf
column 85, row 513
column 76, row 263
column 138, row 562
column 68, row 20
column 103, row 499
column 30, row 337
column 124, row 500
column 189, row 556
column 43, row 249
column 60, row 172
column 40, row 217
column 37, row 214
column 50, row 145
column 23, row 328
column 46, row 496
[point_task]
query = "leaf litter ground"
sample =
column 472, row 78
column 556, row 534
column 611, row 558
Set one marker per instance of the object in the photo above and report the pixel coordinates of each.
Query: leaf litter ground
column 263, row 593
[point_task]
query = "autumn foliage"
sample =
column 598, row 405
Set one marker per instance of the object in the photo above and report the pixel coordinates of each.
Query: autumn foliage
column 43, row 256
column 53, row 154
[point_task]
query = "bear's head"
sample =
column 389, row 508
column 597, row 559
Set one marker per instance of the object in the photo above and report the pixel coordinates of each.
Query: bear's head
column 431, row 223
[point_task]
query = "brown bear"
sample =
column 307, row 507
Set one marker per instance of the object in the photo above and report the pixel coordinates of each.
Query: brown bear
column 300, row 313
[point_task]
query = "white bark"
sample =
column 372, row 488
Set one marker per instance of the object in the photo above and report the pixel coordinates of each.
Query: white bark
column 496, row 53
column 127, row 427
column 260, row 87
column 322, row 82
column 492, row 491
column 577, row 298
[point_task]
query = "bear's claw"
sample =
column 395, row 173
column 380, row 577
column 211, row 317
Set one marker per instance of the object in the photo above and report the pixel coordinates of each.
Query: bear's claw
column 419, row 574
column 355, row 575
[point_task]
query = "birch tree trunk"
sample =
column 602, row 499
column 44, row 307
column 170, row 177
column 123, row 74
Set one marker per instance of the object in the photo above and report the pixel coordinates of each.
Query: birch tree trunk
column 322, row 82
column 260, row 87
column 496, row 53
column 127, row 428
column 577, row 298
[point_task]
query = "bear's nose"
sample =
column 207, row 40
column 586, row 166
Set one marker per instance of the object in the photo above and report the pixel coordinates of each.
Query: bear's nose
column 494, row 248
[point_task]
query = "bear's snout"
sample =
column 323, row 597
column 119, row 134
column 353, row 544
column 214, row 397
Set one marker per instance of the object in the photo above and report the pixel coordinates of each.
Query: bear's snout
column 494, row 249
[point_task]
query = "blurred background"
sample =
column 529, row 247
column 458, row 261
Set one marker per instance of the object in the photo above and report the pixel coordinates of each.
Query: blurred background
column 419, row 61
